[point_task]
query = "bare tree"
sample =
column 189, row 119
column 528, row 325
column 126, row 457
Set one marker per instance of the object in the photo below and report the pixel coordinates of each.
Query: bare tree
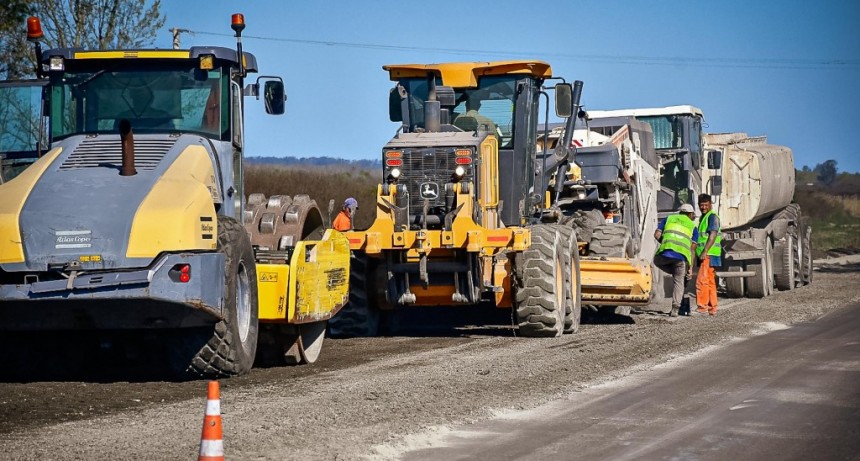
column 88, row 24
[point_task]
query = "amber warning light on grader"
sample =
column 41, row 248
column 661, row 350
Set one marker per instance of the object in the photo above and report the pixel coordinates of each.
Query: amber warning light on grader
column 238, row 22
column 34, row 29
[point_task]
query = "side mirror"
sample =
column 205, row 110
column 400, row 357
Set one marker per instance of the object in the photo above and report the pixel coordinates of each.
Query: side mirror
column 563, row 100
column 275, row 97
column 716, row 185
column 395, row 111
column 715, row 159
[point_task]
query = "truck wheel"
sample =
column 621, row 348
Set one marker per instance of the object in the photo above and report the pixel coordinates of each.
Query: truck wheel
column 611, row 241
column 360, row 317
column 735, row 285
column 760, row 285
column 806, row 253
column 785, row 262
column 229, row 348
column 540, row 284
column 573, row 294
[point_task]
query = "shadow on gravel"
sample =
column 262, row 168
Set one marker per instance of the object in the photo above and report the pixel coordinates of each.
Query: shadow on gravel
column 838, row 268
column 454, row 322
column 91, row 356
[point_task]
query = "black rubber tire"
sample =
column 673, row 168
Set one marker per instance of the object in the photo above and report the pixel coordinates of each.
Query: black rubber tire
column 806, row 254
column 584, row 222
column 785, row 262
column 539, row 293
column 573, row 294
column 768, row 258
column 735, row 285
column 756, row 284
column 611, row 241
column 761, row 284
column 360, row 317
column 225, row 350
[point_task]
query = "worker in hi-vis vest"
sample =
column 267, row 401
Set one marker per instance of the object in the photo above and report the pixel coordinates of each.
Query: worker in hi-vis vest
column 708, row 250
column 677, row 237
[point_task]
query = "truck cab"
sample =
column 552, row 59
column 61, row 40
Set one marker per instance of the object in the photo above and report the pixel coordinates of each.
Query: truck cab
column 678, row 141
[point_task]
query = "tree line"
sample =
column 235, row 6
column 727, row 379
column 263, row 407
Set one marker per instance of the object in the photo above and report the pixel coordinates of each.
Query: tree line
column 87, row 24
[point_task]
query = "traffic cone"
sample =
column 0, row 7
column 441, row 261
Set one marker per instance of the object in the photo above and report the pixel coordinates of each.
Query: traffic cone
column 211, row 442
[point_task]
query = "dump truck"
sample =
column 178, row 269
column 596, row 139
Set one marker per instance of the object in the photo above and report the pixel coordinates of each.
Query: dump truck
column 136, row 218
column 766, row 241
column 609, row 198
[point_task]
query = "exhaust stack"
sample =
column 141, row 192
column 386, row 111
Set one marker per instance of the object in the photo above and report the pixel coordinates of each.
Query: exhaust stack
column 127, row 139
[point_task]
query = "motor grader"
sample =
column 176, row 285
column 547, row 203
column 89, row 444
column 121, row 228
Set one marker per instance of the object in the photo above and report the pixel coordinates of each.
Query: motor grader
column 466, row 214
column 136, row 217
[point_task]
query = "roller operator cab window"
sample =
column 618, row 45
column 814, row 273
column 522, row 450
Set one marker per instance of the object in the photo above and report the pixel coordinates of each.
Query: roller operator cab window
column 20, row 120
column 488, row 107
column 155, row 99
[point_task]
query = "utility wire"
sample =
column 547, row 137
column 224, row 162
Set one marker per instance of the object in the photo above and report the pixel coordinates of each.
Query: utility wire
column 765, row 63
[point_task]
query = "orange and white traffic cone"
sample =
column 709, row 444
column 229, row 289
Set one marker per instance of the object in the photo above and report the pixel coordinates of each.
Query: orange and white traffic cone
column 211, row 441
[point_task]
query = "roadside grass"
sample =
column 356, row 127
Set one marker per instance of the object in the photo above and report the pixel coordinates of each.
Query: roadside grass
column 321, row 183
column 835, row 219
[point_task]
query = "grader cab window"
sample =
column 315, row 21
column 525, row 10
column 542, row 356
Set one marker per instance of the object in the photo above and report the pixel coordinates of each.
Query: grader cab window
column 489, row 107
column 153, row 99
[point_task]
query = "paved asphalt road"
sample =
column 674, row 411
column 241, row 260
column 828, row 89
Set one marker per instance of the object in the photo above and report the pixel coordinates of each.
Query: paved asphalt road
column 789, row 394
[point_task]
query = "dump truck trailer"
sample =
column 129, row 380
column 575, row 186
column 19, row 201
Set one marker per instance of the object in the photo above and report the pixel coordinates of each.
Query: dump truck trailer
column 136, row 217
column 766, row 241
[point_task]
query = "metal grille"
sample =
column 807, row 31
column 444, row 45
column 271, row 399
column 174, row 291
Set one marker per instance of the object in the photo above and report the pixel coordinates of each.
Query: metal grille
column 429, row 170
column 96, row 153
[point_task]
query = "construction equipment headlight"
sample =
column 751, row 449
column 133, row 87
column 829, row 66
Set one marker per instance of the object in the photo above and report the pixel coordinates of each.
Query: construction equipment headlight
column 395, row 173
column 459, row 172
column 57, row 63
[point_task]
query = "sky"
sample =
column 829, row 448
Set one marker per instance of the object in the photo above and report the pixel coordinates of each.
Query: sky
column 786, row 69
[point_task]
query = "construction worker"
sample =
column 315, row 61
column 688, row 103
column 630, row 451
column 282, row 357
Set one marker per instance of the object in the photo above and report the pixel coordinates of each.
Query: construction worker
column 343, row 220
column 473, row 120
column 677, row 237
column 708, row 250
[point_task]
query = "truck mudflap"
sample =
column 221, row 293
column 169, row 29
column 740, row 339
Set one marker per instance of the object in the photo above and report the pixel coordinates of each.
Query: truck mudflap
column 313, row 286
column 151, row 297
column 615, row 281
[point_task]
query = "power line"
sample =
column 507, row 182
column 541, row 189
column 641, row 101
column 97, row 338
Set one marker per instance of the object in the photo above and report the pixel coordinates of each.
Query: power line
column 753, row 63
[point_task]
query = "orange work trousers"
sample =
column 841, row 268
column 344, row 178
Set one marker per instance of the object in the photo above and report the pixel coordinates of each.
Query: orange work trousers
column 706, row 287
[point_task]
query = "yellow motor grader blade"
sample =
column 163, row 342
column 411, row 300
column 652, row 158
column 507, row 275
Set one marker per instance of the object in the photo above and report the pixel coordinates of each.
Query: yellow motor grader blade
column 615, row 281
column 313, row 287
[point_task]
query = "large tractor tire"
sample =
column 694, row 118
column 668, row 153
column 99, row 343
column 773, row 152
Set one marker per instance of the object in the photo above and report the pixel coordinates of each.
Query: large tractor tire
column 360, row 317
column 806, row 253
column 584, row 222
column 229, row 348
column 573, row 294
column 611, row 241
column 540, row 284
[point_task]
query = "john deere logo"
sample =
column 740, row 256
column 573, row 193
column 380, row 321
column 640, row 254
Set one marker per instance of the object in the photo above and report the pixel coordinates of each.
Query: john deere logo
column 429, row 190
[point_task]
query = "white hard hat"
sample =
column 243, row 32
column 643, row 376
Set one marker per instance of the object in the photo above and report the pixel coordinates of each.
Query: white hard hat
column 686, row 208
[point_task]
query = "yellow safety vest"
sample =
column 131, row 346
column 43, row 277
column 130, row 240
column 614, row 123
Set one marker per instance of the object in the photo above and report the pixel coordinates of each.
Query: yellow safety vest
column 716, row 249
column 678, row 235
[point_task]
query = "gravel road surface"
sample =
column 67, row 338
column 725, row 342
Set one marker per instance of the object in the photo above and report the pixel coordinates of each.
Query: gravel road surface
column 376, row 398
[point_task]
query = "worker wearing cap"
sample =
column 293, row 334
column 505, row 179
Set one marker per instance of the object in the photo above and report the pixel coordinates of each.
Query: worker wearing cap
column 708, row 250
column 677, row 237
column 343, row 220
